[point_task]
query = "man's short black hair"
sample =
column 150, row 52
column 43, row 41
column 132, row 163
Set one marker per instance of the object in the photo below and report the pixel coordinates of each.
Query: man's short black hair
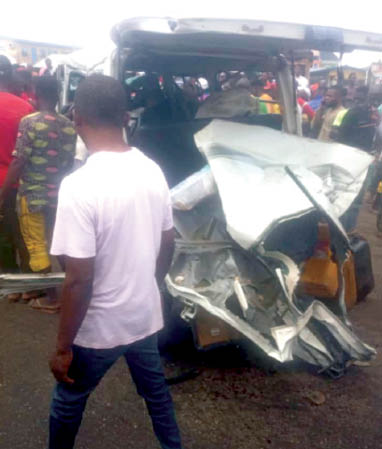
column 47, row 89
column 101, row 100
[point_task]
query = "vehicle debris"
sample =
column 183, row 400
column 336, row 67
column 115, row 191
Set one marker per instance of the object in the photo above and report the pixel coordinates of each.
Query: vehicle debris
column 225, row 262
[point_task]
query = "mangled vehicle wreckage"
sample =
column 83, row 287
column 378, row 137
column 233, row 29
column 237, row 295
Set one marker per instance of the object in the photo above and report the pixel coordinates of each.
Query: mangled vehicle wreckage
column 246, row 226
column 248, row 193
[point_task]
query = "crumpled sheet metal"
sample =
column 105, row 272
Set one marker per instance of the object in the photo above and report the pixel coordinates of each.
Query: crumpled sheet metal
column 275, row 324
column 222, row 272
column 19, row 283
column 248, row 164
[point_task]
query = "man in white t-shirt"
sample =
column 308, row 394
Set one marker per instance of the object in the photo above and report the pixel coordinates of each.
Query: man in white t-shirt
column 114, row 229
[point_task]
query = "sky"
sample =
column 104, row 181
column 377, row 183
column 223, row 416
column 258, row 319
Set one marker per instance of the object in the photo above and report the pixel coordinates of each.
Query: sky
column 88, row 22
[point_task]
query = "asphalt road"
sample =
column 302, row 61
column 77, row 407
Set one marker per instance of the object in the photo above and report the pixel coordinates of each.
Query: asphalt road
column 230, row 405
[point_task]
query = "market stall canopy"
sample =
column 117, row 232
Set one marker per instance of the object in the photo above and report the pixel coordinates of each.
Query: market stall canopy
column 214, row 36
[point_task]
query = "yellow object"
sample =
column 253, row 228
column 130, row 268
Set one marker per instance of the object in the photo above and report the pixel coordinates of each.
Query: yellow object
column 350, row 282
column 320, row 278
column 339, row 117
column 32, row 226
column 379, row 190
column 272, row 108
column 320, row 275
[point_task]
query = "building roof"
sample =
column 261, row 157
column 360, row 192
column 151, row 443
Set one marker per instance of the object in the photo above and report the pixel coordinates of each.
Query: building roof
column 38, row 43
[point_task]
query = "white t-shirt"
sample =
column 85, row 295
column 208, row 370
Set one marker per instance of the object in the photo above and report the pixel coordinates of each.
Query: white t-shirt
column 115, row 208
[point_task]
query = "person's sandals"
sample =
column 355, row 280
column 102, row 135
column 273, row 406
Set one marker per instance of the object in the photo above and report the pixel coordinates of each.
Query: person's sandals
column 28, row 296
column 45, row 305
column 14, row 297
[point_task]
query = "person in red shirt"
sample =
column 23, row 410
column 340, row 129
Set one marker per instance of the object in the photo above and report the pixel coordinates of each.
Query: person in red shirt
column 12, row 110
column 307, row 111
column 302, row 100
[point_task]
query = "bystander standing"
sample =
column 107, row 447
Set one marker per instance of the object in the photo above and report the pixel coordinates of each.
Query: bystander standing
column 114, row 229
column 329, row 114
column 358, row 129
column 44, row 154
column 12, row 110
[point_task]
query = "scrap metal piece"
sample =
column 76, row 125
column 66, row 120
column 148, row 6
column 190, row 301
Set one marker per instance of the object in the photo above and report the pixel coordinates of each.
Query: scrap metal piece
column 290, row 332
column 20, row 283
column 240, row 295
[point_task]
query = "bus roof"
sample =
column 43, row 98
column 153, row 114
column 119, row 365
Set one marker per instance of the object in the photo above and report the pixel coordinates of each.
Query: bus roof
column 203, row 36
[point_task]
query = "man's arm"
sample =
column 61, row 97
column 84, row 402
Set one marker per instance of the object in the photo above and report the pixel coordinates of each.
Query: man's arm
column 75, row 299
column 165, row 256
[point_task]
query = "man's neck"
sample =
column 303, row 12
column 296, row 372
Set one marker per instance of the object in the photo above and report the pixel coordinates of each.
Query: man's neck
column 105, row 139
column 47, row 107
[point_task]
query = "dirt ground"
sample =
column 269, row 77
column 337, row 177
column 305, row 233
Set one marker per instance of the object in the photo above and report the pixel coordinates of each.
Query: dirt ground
column 231, row 405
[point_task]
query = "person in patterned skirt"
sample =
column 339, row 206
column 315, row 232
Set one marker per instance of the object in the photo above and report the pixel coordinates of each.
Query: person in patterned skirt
column 43, row 156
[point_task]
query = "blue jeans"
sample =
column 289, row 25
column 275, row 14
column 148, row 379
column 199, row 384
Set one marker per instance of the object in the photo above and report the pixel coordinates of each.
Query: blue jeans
column 88, row 368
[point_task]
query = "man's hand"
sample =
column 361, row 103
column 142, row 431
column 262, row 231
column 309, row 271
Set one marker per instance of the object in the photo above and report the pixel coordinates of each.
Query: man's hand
column 60, row 364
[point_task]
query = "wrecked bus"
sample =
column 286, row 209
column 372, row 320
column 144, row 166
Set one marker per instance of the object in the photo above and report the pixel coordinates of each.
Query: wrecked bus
column 249, row 193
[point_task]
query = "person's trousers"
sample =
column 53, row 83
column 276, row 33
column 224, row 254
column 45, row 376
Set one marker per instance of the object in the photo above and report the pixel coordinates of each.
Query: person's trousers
column 11, row 241
column 36, row 229
column 88, row 368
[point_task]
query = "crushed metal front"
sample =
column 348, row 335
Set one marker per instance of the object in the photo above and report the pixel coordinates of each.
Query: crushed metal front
column 246, row 224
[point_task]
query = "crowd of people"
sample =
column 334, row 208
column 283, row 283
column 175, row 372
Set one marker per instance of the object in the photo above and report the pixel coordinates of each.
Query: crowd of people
column 37, row 152
column 345, row 114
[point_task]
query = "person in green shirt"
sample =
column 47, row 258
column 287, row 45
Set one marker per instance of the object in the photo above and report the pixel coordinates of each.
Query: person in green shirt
column 257, row 91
